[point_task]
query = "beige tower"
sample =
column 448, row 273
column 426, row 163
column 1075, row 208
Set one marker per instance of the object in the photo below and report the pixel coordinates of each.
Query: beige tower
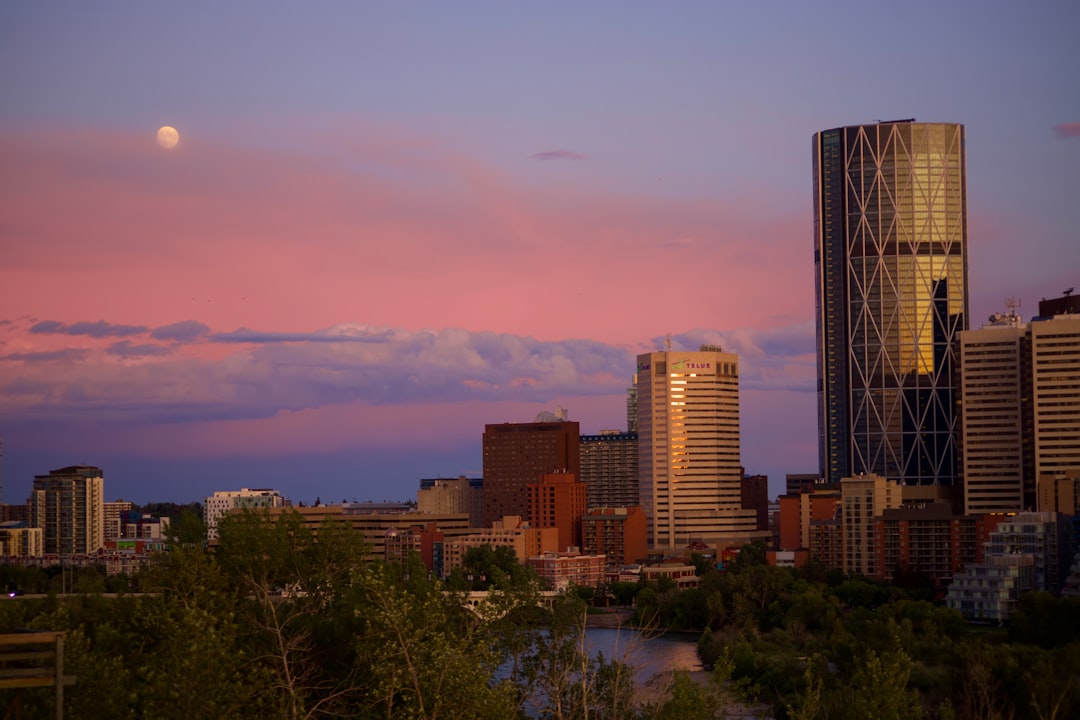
column 864, row 498
column 1055, row 389
column 1020, row 410
column 69, row 506
column 688, row 445
column 994, row 387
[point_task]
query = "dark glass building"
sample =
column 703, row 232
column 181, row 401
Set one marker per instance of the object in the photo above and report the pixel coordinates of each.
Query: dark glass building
column 890, row 255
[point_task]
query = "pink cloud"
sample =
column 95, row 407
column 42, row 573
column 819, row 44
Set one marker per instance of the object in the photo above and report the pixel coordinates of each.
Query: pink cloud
column 1067, row 130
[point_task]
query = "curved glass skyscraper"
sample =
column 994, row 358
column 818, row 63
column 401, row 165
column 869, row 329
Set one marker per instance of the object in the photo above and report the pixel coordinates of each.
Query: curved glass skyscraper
column 890, row 253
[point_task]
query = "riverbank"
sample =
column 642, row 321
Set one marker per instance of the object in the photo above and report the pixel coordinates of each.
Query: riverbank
column 610, row 618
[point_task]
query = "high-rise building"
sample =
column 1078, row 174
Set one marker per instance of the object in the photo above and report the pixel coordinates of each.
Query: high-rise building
column 69, row 506
column 1055, row 388
column 688, row 444
column 755, row 496
column 558, row 500
column 631, row 407
column 998, row 467
column 890, row 257
column 609, row 468
column 1019, row 409
column 863, row 499
column 517, row 455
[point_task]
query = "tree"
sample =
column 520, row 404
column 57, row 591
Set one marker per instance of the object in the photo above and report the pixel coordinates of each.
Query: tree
column 291, row 581
column 564, row 681
column 423, row 655
column 878, row 689
column 187, row 529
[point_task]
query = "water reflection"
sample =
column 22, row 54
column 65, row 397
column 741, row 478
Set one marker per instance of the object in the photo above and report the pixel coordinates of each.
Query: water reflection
column 648, row 654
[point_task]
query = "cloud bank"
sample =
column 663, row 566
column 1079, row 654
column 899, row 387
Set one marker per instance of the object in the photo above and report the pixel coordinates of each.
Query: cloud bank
column 263, row 374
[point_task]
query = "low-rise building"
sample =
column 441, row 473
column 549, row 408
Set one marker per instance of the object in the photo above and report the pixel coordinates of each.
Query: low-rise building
column 684, row 576
column 619, row 533
column 453, row 496
column 990, row 590
column 511, row 531
column 929, row 539
column 562, row 570
column 19, row 540
column 1040, row 535
column 224, row 501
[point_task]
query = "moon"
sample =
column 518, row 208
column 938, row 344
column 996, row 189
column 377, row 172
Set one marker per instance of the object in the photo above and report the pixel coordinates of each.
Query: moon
column 167, row 137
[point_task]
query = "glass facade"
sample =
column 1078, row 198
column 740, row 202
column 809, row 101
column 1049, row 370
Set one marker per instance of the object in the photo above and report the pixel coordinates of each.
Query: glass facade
column 890, row 256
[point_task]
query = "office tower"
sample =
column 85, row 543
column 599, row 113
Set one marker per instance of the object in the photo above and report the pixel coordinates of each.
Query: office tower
column 1019, row 409
column 69, row 506
column 519, row 454
column 558, row 500
column 1055, row 388
column 221, row 502
column 631, row 408
column 796, row 483
column 1067, row 304
column 995, row 380
column 609, row 468
column 688, row 444
column 891, row 297
column 755, row 496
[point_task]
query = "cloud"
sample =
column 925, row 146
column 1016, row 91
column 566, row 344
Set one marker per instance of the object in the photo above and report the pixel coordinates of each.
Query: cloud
column 99, row 329
column 125, row 349
column 184, row 331
column 558, row 155
column 266, row 374
column 1067, row 130
column 243, row 335
column 781, row 358
column 67, row 354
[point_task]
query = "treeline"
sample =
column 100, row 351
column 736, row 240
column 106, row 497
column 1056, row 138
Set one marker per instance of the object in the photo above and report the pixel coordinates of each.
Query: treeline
column 274, row 624
column 818, row 644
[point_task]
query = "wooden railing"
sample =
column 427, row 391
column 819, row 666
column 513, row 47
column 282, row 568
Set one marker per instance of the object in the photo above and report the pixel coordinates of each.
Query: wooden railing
column 28, row 661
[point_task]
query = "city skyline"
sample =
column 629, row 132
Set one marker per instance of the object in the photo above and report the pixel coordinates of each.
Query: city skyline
column 385, row 227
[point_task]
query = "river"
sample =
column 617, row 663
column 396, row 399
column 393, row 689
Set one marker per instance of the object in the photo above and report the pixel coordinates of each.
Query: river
column 648, row 654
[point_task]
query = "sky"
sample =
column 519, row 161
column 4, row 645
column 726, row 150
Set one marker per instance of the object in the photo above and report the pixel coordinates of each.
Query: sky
column 388, row 224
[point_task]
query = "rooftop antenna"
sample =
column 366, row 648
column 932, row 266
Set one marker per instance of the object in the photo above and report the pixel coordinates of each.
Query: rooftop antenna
column 667, row 343
column 1068, row 292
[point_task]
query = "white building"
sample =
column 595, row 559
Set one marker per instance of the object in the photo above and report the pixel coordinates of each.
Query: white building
column 992, row 589
column 688, row 447
column 221, row 502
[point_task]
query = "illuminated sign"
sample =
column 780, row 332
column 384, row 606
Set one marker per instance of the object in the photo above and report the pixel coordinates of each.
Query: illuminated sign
column 686, row 365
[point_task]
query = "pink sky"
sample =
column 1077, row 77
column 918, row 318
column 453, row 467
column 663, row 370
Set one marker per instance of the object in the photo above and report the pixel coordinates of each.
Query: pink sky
column 472, row 277
column 387, row 225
